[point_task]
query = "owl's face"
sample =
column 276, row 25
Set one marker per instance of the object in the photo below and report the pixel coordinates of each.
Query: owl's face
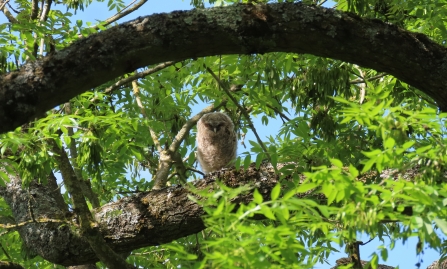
column 214, row 126
column 216, row 122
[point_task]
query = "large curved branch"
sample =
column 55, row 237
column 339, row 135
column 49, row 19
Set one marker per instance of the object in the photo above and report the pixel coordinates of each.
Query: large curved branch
column 144, row 219
column 288, row 27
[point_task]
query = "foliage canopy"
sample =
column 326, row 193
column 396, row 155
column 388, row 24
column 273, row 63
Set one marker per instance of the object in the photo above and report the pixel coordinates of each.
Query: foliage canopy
column 369, row 146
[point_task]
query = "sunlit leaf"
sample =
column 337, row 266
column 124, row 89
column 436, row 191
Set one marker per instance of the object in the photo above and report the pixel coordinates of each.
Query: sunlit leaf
column 257, row 197
column 275, row 192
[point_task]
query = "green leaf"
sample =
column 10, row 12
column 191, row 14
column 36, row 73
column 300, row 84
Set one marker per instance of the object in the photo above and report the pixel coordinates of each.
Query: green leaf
column 340, row 195
column 247, row 162
column 285, row 213
column 384, row 254
column 291, row 193
column 389, row 143
column 368, row 165
column 418, row 222
column 4, row 178
column 353, row 171
column 10, row 167
column 408, row 144
column 267, row 212
column 442, row 224
column 327, row 188
column 302, row 188
column 428, row 227
column 275, row 192
column 337, row 163
column 257, row 197
column 324, row 211
column 259, row 159
column 371, row 154
column 423, row 149
column 331, row 197
column 237, row 164
column 67, row 140
column 374, row 261
column 219, row 208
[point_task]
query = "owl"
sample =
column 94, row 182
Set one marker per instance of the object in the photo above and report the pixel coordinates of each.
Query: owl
column 216, row 141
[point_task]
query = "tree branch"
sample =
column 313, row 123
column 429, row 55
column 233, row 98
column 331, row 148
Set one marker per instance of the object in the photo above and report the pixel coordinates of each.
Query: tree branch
column 136, row 92
column 167, row 157
column 125, row 11
column 86, row 188
column 34, row 9
column 88, row 226
column 144, row 219
column 284, row 27
column 10, row 265
column 7, row 13
column 137, row 75
column 363, row 80
column 45, row 10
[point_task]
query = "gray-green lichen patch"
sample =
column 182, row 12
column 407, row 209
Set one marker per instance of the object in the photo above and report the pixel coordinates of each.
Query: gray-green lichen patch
column 188, row 20
column 332, row 31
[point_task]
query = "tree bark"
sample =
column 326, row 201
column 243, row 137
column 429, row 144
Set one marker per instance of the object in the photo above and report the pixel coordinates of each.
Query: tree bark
column 145, row 219
column 10, row 265
column 238, row 29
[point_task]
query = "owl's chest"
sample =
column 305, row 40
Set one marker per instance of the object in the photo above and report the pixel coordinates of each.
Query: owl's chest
column 216, row 143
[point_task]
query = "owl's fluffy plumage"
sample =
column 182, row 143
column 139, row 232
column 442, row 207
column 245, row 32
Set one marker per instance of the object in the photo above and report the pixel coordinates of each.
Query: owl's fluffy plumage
column 216, row 141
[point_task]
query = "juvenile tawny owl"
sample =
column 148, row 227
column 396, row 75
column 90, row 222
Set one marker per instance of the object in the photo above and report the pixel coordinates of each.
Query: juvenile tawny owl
column 216, row 141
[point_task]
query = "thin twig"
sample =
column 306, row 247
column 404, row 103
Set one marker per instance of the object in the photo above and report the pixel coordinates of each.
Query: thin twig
column 86, row 188
column 362, row 244
column 87, row 224
column 172, row 175
column 16, row 11
column 8, row 14
column 322, row 3
column 3, row 4
column 146, row 253
column 45, row 10
column 362, row 85
column 121, row 13
column 196, row 171
column 277, row 111
column 128, row 192
column 5, row 252
column 154, row 136
column 167, row 157
column 135, row 76
column 126, row 7
column 362, row 80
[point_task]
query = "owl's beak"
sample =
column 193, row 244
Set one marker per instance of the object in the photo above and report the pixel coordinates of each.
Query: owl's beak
column 215, row 129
